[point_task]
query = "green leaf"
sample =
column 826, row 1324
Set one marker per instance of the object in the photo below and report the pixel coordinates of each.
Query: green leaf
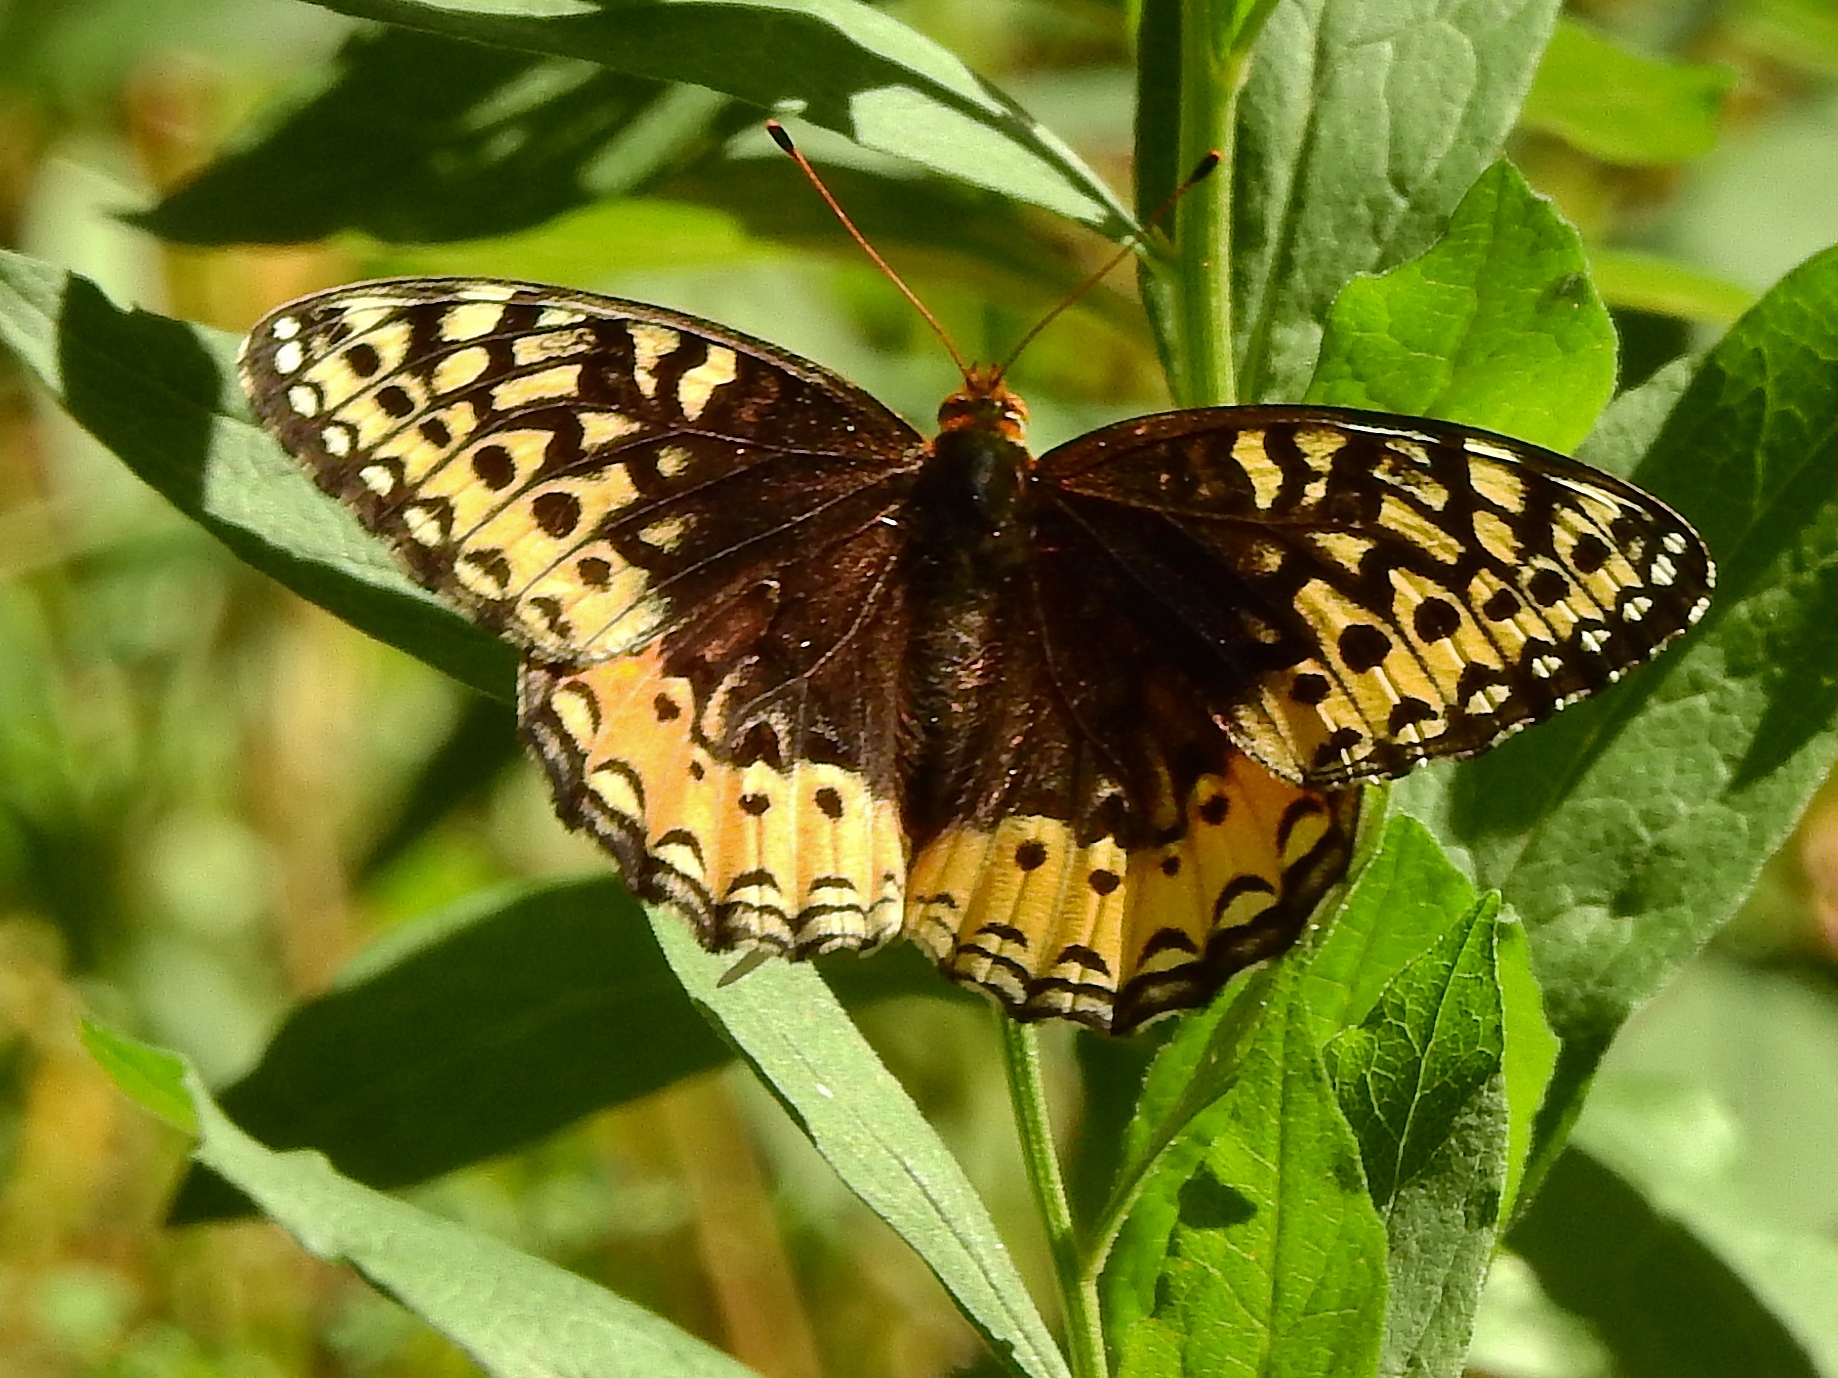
column 469, row 1033
column 1629, row 425
column 836, row 63
column 515, row 1315
column 1420, row 1081
column 1432, row 1042
column 162, row 395
column 420, row 137
column 1360, row 129
column 514, row 1013
column 1503, row 296
column 1645, row 832
column 1763, row 1043
column 1659, row 1287
column 152, row 1076
column 1681, row 1149
column 1406, row 897
column 1158, row 143
column 1253, row 1247
column 1624, row 107
column 1629, row 829
column 1193, row 1069
column 789, row 1028
column 1643, row 282
column 1800, row 34
column 1530, row 1059
column 1112, row 1073
column 477, row 1029
column 481, row 143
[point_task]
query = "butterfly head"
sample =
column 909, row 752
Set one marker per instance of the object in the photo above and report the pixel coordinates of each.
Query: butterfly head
column 984, row 404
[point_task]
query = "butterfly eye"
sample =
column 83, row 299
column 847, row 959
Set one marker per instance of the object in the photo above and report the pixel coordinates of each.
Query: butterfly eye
column 987, row 406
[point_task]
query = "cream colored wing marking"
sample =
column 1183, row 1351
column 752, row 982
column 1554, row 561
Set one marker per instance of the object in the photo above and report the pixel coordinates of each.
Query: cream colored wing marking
column 797, row 861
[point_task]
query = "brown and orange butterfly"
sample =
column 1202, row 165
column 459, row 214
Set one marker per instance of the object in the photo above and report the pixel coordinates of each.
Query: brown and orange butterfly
column 1086, row 726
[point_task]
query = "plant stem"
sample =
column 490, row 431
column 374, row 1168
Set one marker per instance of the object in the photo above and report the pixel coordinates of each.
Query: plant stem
column 1214, row 58
column 1078, row 1293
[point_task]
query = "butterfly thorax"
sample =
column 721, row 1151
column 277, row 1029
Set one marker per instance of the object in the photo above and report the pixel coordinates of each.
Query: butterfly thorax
column 968, row 505
column 969, row 524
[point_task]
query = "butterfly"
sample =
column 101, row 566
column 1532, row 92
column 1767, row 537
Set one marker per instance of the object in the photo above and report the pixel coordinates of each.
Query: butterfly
column 1087, row 726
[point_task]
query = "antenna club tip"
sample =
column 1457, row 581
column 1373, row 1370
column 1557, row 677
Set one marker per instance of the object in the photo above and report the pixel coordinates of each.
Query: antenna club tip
column 779, row 136
column 1204, row 168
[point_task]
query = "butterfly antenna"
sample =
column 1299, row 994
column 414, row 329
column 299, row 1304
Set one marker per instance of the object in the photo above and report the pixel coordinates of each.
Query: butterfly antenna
column 1201, row 172
column 783, row 140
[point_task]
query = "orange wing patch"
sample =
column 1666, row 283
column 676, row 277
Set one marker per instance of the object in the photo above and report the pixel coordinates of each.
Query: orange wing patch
column 796, row 861
column 1112, row 938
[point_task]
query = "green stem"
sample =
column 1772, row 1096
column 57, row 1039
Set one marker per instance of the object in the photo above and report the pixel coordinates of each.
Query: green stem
column 1209, row 92
column 1214, row 57
column 1078, row 1292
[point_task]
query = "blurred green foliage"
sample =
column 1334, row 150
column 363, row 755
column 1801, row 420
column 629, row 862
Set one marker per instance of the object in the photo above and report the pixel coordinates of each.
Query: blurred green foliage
column 212, row 795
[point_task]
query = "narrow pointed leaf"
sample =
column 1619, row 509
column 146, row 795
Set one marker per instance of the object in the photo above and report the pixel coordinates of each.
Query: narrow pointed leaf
column 515, row 1315
column 837, row 63
column 420, row 137
column 162, row 395
column 1622, row 106
column 1646, row 282
column 482, row 1027
column 1530, row 1060
column 1420, row 1081
column 789, row 1028
column 484, row 142
column 470, row 1033
column 153, row 1077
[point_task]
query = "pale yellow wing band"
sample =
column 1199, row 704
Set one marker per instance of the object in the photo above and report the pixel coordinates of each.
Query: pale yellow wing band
column 797, row 861
column 1052, row 928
